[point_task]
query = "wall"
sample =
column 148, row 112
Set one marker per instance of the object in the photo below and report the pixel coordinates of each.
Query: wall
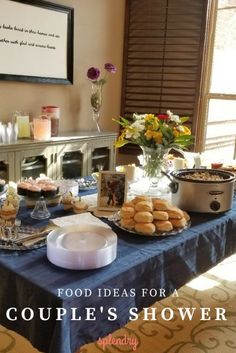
column 98, row 38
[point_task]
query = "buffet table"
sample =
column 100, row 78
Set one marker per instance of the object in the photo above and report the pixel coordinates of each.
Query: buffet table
column 28, row 279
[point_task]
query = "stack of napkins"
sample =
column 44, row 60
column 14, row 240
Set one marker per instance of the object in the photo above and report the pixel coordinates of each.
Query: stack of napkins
column 82, row 218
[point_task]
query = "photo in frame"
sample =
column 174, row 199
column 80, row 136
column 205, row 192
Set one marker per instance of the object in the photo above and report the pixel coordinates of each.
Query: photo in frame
column 36, row 41
column 112, row 190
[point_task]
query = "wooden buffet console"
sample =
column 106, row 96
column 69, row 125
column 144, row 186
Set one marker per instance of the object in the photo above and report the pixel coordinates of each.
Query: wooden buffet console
column 70, row 155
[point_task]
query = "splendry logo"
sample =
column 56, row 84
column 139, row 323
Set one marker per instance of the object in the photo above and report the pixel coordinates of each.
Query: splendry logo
column 118, row 341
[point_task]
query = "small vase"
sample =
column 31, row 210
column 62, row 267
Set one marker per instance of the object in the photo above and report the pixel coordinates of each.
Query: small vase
column 96, row 102
column 154, row 161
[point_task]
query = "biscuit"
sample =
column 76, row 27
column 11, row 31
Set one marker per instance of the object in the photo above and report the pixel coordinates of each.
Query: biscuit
column 160, row 215
column 128, row 204
column 186, row 216
column 79, row 206
column 175, row 213
column 178, row 223
column 154, row 199
column 127, row 212
column 163, row 226
column 144, row 206
column 141, row 198
column 161, row 205
column 143, row 217
column 127, row 223
column 145, row 228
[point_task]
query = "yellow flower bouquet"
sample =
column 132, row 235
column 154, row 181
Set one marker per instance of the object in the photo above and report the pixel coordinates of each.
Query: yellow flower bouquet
column 156, row 135
column 153, row 131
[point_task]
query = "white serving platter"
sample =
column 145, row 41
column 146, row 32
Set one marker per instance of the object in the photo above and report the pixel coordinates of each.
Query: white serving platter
column 82, row 246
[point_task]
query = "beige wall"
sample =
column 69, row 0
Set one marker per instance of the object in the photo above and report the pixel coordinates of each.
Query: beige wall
column 98, row 38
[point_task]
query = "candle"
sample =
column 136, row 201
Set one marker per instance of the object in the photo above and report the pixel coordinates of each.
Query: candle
column 179, row 163
column 23, row 126
column 42, row 128
column 216, row 165
column 53, row 113
column 130, row 172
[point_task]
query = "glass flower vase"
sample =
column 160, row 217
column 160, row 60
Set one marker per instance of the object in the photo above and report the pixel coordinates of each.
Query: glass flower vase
column 154, row 162
column 96, row 102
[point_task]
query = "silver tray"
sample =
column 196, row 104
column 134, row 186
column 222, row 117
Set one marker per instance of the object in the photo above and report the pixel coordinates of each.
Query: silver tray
column 115, row 219
column 87, row 184
column 3, row 191
column 15, row 247
column 23, row 232
column 85, row 188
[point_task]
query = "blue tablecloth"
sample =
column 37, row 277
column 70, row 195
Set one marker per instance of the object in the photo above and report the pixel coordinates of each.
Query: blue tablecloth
column 28, row 279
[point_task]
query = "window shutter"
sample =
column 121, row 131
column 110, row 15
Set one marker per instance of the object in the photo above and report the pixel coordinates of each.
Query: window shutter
column 163, row 56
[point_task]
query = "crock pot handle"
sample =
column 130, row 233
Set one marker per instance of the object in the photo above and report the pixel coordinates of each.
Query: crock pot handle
column 174, row 186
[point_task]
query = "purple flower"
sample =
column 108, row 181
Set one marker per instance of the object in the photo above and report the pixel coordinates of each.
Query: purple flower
column 93, row 73
column 110, row 68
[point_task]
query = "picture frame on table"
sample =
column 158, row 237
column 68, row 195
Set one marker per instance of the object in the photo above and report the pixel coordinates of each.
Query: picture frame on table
column 36, row 41
column 112, row 190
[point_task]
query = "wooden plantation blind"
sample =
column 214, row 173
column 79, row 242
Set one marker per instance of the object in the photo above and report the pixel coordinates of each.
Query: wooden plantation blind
column 163, row 52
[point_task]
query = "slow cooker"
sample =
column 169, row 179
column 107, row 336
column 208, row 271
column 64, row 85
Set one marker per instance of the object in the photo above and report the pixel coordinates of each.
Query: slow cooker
column 202, row 190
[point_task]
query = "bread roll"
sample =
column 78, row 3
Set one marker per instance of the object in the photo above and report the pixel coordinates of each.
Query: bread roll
column 144, row 206
column 154, row 199
column 145, row 228
column 79, row 206
column 127, row 223
column 127, row 212
column 163, row 226
column 141, row 198
column 186, row 216
column 148, row 215
column 175, row 213
column 161, row 205
column 160, row 215
column 128, row 204
column 178, row 223
column 143, row 217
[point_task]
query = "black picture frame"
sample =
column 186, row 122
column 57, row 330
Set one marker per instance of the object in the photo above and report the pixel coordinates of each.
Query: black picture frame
column 47, row 48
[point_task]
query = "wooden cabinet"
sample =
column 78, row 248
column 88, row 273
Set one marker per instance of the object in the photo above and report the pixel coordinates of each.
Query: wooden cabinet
column 33, row 162
column 101, row 155
column 71, row 160
column 69, row 156
column 7, row 166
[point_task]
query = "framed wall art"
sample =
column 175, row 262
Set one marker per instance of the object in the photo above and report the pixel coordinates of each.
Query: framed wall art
column 36, row 41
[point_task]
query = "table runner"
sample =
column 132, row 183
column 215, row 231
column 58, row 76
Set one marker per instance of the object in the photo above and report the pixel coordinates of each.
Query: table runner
column 28, row 279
